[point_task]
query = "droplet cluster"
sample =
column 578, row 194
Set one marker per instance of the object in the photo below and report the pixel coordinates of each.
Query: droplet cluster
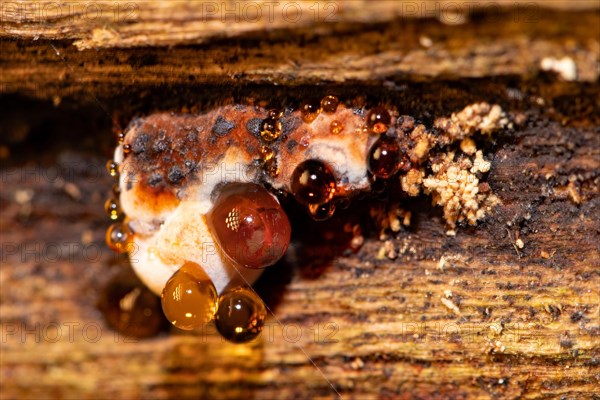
column 247, row 222
column 118, row 237
column 270, row 130
column 189, row 301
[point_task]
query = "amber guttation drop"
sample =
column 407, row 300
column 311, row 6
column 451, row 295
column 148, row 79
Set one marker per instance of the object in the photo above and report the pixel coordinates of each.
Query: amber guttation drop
column 274, row 113
column 378, row 120
column 241, row 315
column 189, row 298
column 321, row 212
column 249, row 225
column 329, row 104
column 309, row 111
column 384, row 157
column 336, row 127
column 313, row 183
column 270, row 129
column 113, row 168
column 126, row 148
column 266, row 153
column 113, row 209
column 272, row 168
column 121, row 137
column 130, row 308
column 119, row 237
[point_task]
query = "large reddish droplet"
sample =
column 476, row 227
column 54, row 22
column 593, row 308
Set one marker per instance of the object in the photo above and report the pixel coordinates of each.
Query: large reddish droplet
column 249, row 225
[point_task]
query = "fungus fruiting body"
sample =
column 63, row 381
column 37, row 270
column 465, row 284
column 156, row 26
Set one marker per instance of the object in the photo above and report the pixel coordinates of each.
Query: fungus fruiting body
column 195, row 200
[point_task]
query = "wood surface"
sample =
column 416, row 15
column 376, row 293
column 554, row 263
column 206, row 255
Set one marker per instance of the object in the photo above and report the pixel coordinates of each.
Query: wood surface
column 471, row 316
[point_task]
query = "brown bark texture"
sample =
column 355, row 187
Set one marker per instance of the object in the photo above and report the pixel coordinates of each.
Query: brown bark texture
column 506, row 309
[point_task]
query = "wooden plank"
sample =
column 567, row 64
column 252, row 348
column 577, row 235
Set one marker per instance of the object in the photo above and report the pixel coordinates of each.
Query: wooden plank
column 492, row 45
column 471, row 316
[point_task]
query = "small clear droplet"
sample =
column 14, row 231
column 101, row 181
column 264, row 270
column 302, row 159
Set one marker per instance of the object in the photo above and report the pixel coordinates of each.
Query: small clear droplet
column 378, row 120
column 273, row 113
column 310, row 111
column 113, row 168
column 113, row 209
column 270, row 129
column 329, row 104
column 321, row 212
column 336, row 127
column 119, row 237
column 266, row 153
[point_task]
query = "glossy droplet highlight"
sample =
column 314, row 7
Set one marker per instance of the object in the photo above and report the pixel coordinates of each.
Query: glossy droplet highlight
column 313, row 182
column 120, row 137
column 266, row 153
column 249, row 225
column 336, row 127
column 272, row 168
column 119, row 237
column 384, row 157
column 270, row 129
column 189, row 298
column 378, row 120
column 113, row 168
column 113, row 209
column 274, row 113
column 241, row 315
column 329, row 104
column 126, row 148
column 310, row 111
column 321, row 212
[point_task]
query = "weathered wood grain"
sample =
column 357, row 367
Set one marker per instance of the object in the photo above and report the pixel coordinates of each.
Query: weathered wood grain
column 521, row 322
column 510, row 42
column 124, row 23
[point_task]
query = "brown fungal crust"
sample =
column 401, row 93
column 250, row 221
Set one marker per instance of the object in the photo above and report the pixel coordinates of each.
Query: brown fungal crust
column 171, row 167
column 167, row 150
column 169, row 153
column 174, row 157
